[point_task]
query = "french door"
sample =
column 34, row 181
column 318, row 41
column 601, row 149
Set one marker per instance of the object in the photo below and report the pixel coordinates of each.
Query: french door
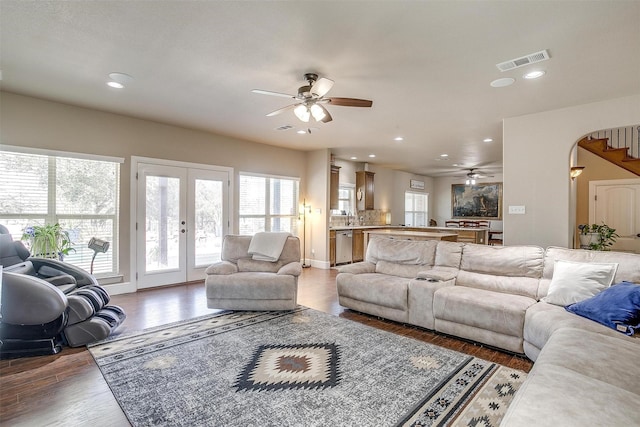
column 182, row 214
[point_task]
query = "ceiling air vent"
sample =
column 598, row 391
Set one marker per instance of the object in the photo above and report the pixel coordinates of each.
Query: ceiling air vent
column 285, row 127
column 532, row 58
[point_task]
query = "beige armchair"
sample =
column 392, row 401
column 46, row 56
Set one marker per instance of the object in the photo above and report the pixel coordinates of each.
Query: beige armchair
column 239, row 282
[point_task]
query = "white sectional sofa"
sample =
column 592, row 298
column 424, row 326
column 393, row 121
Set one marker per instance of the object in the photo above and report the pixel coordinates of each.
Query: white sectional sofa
column 493, row 295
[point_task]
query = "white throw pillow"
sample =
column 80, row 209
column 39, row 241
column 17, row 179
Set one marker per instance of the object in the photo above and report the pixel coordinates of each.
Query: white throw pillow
column 576, row 281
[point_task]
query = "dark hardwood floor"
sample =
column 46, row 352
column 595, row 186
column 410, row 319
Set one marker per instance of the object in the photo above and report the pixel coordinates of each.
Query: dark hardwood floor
column 68, row 389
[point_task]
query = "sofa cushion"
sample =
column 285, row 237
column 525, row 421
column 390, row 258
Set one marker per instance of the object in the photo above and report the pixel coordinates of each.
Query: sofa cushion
column 448, row 254
column 251, row 286
column 409, row 271
column 417, row 252
column 222, row 267
column 543, row 319
column 578, row 370
column 524, row 286
column 617, row 307
column 493, row 311
column 627, row 264
column 509, row 269
column 375, row 288
column 576, row 281
column 250, row 264
column 236, row 247
column 511, row 261
column 594, row 354
column 557, row 396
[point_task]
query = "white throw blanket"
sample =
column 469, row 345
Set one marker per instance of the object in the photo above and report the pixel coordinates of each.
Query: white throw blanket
column 267, row 246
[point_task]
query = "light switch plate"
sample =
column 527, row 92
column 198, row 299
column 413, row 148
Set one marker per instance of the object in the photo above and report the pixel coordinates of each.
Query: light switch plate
column 517, row 210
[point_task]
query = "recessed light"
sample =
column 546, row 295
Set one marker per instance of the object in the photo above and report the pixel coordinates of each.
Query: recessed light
column 121, row 78
column 372, row 155
column 353, row 158
column 398, row 138
column 534, row 74
column 487, row 140
column 118, row 80
column 444, row 155
column 506, row 81
column 301, row 132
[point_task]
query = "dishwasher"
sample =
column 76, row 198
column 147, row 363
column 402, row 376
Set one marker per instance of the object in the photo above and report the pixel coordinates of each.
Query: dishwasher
column 344, row 240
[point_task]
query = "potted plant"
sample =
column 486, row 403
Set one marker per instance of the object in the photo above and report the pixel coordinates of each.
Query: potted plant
column 48, row 241
column 597, row 237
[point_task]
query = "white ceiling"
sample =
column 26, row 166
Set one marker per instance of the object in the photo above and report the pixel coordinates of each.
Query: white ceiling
column 426, row 65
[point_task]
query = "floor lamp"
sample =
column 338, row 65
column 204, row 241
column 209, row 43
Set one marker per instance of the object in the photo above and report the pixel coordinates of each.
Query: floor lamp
column 98, row 246
column 304, row 232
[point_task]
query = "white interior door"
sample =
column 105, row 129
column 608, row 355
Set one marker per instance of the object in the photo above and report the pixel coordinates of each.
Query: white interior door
column 182, row 216
column 617, row 204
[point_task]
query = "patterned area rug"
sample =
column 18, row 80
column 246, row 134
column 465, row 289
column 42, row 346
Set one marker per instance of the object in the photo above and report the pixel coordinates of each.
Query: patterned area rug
column 293, row 368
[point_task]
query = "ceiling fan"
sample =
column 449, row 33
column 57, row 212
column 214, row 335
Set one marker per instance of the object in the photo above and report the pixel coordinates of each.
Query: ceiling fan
column 311, row 99
column 472, row 176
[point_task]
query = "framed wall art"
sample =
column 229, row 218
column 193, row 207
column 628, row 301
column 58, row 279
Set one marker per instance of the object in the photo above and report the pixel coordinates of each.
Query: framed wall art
column 480, row 201
column 415, row 184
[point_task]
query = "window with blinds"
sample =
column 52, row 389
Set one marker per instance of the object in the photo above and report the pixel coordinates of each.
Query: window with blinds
column 80, row 193
column 268, row 203
column 416, row 209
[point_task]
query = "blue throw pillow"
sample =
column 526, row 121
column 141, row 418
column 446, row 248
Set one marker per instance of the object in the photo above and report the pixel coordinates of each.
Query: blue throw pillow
column 617, row 307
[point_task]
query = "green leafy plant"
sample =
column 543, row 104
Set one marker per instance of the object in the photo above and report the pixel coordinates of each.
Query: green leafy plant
column 48, row 241
column 606, row 236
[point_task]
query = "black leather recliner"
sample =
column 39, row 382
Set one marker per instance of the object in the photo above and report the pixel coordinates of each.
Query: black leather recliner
column 45, row 303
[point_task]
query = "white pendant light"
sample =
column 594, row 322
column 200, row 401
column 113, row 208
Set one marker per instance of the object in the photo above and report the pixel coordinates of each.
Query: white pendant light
column 317, row 112
column 302, row 112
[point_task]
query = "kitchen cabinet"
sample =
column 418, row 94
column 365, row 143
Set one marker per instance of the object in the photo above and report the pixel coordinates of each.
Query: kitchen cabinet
column 357, row 252
column 332, row 248
column 334, row 187
column 364, row 190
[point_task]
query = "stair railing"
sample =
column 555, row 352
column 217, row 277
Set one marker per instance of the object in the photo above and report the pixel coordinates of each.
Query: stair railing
column 621, row 137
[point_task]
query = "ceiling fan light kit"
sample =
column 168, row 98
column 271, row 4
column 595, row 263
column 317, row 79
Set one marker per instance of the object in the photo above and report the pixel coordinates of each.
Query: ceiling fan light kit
column 302, row 113
column 310, row 98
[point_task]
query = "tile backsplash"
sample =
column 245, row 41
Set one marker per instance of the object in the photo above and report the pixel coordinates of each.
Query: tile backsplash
column 370, row 217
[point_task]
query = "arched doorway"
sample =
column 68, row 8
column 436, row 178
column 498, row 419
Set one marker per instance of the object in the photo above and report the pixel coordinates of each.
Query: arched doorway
column 600, row 173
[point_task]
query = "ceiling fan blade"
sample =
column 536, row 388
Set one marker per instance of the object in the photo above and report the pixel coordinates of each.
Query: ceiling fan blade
column 268, row 92
column 321, row 86
column 350, row 102
column 282, row 110
column 327, row 117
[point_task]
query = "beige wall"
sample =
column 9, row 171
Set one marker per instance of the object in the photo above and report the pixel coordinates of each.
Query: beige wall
column 31, row 122
column 537, row 150
column 317, row 195
column 401, row 184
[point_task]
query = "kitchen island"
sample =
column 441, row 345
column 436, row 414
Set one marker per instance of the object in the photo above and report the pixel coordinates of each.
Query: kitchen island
column 409, row 235
column 479, row 235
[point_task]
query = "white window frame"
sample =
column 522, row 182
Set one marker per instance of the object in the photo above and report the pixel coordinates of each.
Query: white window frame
column 414, row 212
column 50, row 217
column 267, row 214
